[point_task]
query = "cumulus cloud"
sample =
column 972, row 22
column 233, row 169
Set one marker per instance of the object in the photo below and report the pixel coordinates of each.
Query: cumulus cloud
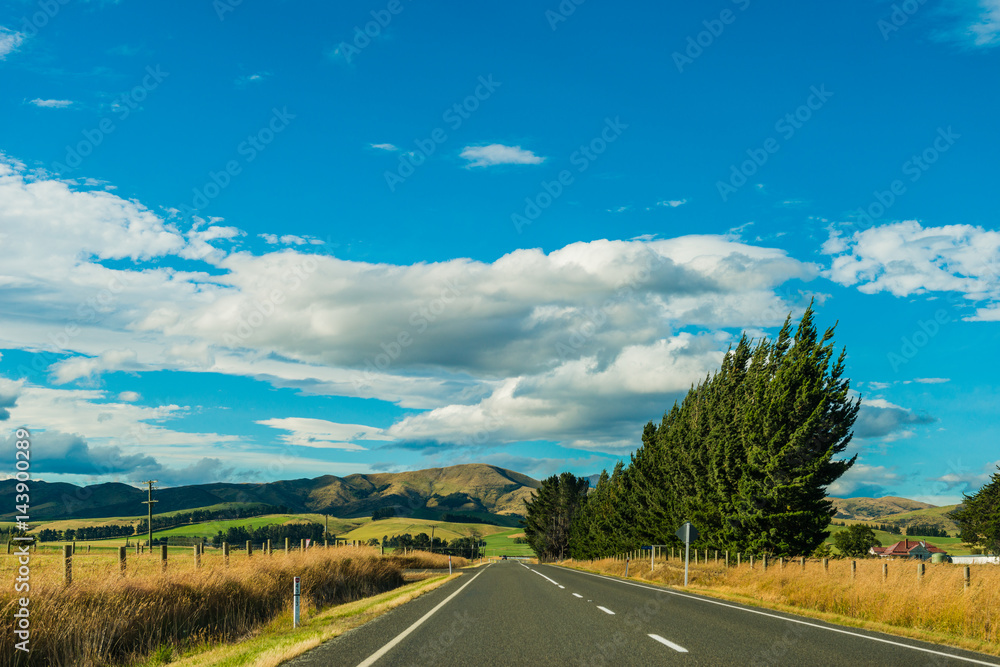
column 476, row 346
column 964, row 479
column 307, row 432
column 879, row 418
column 129, row 396
column 906, row 258
column 9, row 392
column 493, row 154
column 76, row 368
column 69, row 453
column 865, row 481
column 384, row 147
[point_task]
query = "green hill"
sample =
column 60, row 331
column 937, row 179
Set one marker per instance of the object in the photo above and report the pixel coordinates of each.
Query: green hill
column 479, row 492
column 900, row 512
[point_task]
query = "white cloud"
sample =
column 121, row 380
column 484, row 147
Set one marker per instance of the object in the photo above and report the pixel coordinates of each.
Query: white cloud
column 384, row 147
column 864, row 481
column 77, row 368
column 9, row 41
column 878, row 418
column 582, row 361
column 905, row 258
column 306, row 432
column 290, row 239
column 51, row 104
column 247, row 79
column 672, row 203
column 985, row 30
column 493, row 154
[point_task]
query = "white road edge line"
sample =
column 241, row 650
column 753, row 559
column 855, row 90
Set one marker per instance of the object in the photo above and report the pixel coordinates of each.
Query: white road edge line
column 667, row 642
column 402, row 635
column 605, row 610
column 577, row 595
column 794, row 620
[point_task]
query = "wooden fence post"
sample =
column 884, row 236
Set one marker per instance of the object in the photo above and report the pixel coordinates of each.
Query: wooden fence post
column 121, row 558
column 751, row 561
column 225, row 553
column 68, row 564
column 802, row 562
column 288, row 546
column 302, row 546
column 781, row 563
column 163, row 557
column 197, row 557
column 966, row 576
column 727, row 558
column 854, row 569
column 249, row 549
column 826, row 564
column 739, row 556
column 920, row 571
column 763, row 562
column 885, row 571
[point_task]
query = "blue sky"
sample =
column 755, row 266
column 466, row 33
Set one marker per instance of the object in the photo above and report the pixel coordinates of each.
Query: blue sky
column 275, row 240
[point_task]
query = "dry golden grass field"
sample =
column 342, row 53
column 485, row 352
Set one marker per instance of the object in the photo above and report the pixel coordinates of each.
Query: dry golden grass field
column 105, row 617
column 935, row 607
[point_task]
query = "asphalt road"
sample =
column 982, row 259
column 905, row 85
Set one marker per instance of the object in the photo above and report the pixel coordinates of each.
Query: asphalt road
column 512, row 614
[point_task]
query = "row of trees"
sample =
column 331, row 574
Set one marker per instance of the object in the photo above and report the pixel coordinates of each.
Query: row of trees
column 746, row 456
column 85, row 533
column 275, row 533
column 470, row 547
column 202, row 515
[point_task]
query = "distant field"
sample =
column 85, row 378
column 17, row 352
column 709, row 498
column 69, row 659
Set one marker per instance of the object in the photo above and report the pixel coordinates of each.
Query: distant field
column 401, row 525
column 502, row 543
column 952, row 545
column 362, row 529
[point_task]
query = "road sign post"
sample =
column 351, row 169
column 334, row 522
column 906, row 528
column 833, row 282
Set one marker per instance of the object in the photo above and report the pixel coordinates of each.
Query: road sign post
column 687, row 533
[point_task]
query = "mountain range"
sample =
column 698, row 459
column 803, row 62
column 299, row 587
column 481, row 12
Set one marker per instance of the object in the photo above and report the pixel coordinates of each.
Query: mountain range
column 473, row 490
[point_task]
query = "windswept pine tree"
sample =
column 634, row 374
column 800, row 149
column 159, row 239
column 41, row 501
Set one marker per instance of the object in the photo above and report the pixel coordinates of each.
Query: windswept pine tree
column 746, row 456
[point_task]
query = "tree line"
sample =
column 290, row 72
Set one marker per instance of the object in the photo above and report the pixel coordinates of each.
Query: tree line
column 746, row 456
column 469, row 547
column 202, row 515
column 85, row 533
column 276, row 533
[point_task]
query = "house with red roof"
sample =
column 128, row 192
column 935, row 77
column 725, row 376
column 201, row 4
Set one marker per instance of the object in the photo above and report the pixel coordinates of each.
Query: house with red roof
column 908, row 549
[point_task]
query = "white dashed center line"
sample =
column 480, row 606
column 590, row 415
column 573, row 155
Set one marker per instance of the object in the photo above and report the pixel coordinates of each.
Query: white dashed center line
column 607, row 611
column 577, row 595
column 667, row 642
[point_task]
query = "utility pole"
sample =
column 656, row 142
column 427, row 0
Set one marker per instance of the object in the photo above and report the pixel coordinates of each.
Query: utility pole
column 149, row 503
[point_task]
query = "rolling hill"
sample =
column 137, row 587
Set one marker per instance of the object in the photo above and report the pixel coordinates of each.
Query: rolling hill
column 476, row 491
column 900, row 512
